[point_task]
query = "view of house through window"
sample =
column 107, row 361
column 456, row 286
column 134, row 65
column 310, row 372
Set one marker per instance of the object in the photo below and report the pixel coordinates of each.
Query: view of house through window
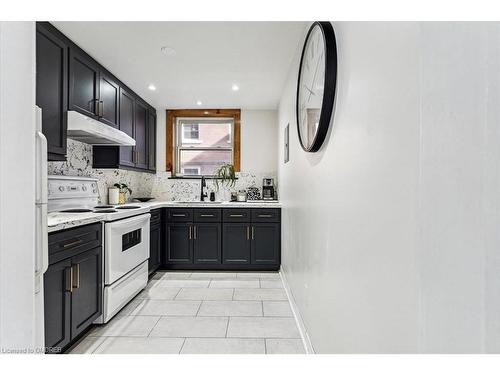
column 203, row 145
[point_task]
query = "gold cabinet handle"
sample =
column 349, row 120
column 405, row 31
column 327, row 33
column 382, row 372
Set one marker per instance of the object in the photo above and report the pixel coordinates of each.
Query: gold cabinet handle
column 195, row 232
column 235, row 215
column 252, row 232
column 69, row 281
column 248, row 232
column 190, row 232
column 72, row 243
column 265, row 215
column 76, row 284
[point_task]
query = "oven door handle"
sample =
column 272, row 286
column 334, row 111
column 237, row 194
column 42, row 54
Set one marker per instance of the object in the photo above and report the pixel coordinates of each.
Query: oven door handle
column 130, row 223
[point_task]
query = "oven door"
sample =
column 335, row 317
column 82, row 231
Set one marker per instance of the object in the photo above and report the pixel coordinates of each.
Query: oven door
column 126, row 245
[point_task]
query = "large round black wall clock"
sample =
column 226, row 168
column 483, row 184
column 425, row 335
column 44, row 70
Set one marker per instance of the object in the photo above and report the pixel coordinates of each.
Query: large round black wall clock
column 316, row 85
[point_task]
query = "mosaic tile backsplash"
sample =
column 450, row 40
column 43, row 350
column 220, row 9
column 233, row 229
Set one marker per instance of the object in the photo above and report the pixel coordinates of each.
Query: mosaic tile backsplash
column 159, row 185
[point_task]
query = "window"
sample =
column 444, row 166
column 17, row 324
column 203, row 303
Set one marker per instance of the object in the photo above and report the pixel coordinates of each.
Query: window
column 203, row 145
column 191, row 151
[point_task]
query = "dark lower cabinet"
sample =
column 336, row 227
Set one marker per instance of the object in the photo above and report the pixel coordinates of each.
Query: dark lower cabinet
column 222, row 239
column 57, row 301
column 265, row 239
column 72, row 285
column 236, row 243
column 155, row 241
column 86, row 297
column 52, row 89
column 179, row 243
column 207, row 243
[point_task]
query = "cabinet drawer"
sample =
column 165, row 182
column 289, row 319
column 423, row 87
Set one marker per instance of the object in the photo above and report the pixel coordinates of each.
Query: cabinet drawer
column 67, row 243
column 207, row 215
column 180, row 214
column 155, row 216
column 236, row 215
column 266, row 215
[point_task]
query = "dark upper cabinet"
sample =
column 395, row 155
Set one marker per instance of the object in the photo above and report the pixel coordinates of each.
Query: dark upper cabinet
column 108, row 106
column 152, row 139
column 126, row 121
column 265, row 247
column 236, row 243
column 141, row 135
column 207, row 243
column 179, row 243
column 83, row 84
column 57, row 302
column 86, row 299
column 52, row 89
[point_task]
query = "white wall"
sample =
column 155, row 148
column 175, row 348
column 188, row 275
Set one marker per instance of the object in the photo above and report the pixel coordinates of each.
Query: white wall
column 17, row 185
column 259, row 137
column 258, row 140
column 390, row 239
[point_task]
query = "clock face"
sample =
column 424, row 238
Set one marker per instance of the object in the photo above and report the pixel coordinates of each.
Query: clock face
column 311, row 86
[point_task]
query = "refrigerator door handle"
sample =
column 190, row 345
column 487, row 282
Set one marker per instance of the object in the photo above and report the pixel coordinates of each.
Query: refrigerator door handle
column 41, row 168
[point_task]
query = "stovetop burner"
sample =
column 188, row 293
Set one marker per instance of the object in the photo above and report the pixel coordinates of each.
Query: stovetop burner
column 127, row 207
column 103, row 206
column 105, row 211
column 77, row 210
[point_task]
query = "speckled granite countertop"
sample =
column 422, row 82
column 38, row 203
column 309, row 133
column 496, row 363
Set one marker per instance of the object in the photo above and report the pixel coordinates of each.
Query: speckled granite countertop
column 62, row 220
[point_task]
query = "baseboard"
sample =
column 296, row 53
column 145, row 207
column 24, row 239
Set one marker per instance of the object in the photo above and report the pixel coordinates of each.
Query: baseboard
column 296, row 314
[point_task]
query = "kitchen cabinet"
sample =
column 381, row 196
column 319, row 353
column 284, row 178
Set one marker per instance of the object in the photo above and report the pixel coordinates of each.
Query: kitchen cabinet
column 72, row 284
column 207, row 243
column 179, row 243
column 57, row 302
column 108, row 106
column 156, row 240
column 236, row 243
column 223, row 239
column 69, row 79
column 52, row 89
column 141, row 135
column 83, row 84
column 152, row 140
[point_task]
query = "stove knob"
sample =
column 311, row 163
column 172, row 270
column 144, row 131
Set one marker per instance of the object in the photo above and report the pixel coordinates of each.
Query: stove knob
column 84, row 188
column 61, row 188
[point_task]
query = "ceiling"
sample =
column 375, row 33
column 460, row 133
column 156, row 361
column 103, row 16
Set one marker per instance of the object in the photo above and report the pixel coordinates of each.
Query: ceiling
column 210, row 57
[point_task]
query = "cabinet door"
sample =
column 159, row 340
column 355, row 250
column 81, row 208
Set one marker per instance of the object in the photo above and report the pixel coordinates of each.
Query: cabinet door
column 83, row 85
column 236, row 243
column 57, row 304
column 86, row 301
column 52, row 90
column 207, row 243
column 140, row 135
column 127, row 126
column 154, row 248
column 179, row 243
column 265, row 243
column 151, row 140
column 109, row 93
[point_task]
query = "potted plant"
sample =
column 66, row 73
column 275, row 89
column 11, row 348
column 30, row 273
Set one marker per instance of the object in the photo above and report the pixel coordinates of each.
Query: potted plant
column 224, row 176
column 124, row 189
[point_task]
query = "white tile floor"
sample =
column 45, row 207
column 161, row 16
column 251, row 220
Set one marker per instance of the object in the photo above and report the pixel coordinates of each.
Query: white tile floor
column 202, row 313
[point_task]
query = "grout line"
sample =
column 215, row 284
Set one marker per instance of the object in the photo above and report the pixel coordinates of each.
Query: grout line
column 262, row 304
column 232, row 297
column 227, row 325
column 199, row 308
column 265, row 346
column 182, row 346
column 177, row 293
column 154, row 326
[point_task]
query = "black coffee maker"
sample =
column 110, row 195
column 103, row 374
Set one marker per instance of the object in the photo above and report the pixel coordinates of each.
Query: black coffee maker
column 268, row 192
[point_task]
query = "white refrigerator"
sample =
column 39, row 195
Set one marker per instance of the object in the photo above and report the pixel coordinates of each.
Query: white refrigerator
column 41, row 245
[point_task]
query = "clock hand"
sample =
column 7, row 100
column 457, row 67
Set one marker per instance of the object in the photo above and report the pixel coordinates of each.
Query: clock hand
column 308, row 89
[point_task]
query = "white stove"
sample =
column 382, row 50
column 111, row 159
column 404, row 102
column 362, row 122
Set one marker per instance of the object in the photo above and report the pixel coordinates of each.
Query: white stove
column 125, row 239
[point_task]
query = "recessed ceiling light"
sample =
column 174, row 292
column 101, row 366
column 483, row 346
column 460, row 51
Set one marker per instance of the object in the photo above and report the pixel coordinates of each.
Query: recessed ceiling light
column 199, row 102
column 168, row 51
column 152, row 87
column 206, row 112
column 235, row 87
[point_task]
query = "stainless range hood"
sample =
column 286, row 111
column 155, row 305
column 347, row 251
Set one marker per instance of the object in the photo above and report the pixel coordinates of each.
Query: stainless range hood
column 87, row 130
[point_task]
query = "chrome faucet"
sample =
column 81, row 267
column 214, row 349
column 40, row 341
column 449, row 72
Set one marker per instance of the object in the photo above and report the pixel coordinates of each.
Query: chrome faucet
column 203, row 195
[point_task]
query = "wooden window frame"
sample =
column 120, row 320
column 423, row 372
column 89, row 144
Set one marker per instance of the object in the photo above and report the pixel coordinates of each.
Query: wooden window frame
column 173, row 114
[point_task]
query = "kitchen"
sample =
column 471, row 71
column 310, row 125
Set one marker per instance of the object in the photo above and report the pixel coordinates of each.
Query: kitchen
column 242, row 187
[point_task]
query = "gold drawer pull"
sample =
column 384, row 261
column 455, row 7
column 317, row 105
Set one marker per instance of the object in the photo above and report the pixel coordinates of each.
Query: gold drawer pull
column 72, row 243
column 235, row 215
column 265, row 215
column 206, row 215
column 178, row 215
